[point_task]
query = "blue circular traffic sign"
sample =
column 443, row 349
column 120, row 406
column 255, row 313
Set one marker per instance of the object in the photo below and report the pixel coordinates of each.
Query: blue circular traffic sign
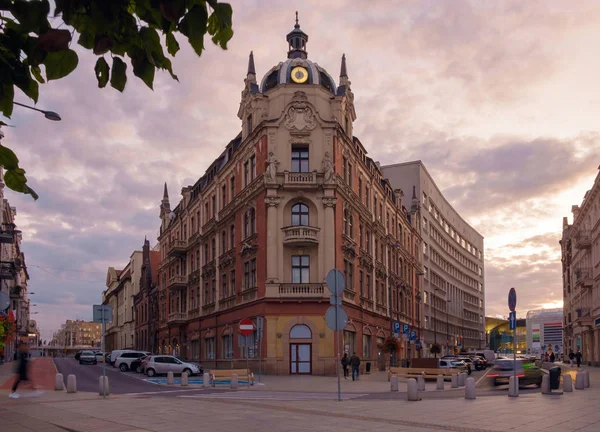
column 512, row 299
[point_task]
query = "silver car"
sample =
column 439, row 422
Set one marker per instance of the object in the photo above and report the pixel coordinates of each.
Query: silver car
column 161, row 364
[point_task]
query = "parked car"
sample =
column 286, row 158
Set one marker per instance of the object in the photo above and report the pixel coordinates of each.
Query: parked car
column 87, row 357
column 116, row 353
column 123, row 361
column 450, row 363
column 489, row 355
column 161, row 364
column 137, row 365
column 477, row 363
column 527, row 372
column 78, row 354
column 100, row 356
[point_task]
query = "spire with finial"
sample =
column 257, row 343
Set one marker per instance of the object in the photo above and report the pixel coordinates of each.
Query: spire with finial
column 297, row 40
column 166, row 193
column 165, row 205
column 343, row 71
column 251, row 68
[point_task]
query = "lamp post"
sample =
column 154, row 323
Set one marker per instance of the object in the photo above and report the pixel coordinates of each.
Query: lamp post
column 50, row 115
column 447, row 327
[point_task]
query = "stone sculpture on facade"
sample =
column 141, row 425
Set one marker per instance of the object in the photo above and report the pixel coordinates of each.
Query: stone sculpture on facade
column 271, row 171
column 327, row 168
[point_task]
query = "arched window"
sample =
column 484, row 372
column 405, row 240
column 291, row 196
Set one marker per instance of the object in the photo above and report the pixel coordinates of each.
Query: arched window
column 300, row 331
column 348, row 221
column 300, row 215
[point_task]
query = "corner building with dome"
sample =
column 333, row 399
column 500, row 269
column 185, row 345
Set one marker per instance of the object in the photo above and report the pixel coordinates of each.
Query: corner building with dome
column 291, row 197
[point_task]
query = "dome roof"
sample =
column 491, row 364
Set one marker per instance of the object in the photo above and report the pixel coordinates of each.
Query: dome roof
column 281, row 74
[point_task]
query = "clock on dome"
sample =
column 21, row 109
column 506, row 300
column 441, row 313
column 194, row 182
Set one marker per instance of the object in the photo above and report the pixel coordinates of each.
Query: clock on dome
column 299, row 75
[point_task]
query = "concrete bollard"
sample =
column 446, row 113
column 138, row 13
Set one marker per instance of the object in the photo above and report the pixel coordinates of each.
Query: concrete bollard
column 205, row 380
column 394, row 383
column 234, row 381
column 106, row 387
column 440, row 382
column 184, row 379
column 421, row 383
column 546, row 384
column 579, row 382
column 470, row 388
column 59, row 382
column 461, row 379
column 411, row 390
column 454, row 381
column 170, row 378
column 567, row 383
column 513, row 386
column 71, row 384
column 586, row 379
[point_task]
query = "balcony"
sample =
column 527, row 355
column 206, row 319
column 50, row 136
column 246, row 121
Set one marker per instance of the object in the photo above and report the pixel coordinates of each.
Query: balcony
column 583, row 239
column 178, row 317
column 299, row 178
column 583, row 277
column 300, row 235
column 7, row 233
column 583, row 317
column 177, row 247
column 193, row 240
column 294, row 291
column 177, row 282
column 8, row 270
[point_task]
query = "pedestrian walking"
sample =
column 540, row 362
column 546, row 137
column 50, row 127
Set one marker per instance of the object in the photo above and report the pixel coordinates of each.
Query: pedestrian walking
column 355, row 363
column 578, row 358
column 22, row 369
column 552, row 357
column 345, row 363
column 571, row 357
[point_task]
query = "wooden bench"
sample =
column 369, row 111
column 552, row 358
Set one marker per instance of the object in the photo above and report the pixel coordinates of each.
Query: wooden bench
column 430, row 373
column 242, row 374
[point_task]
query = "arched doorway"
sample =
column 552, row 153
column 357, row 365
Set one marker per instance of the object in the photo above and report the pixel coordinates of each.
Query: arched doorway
column 300, row 350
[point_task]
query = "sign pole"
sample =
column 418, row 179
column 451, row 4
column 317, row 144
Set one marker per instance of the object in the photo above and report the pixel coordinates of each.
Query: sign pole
column 247, row 355
column 337, row 331
column 103, row 358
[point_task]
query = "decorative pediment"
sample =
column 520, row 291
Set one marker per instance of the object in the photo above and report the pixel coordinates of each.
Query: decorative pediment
column 299, row 116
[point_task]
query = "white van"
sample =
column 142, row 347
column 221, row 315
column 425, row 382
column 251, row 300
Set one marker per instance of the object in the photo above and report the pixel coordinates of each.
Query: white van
column 489, row 355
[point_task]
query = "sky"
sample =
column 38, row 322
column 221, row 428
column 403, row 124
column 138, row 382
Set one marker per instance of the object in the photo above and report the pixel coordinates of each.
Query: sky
column 499, row 99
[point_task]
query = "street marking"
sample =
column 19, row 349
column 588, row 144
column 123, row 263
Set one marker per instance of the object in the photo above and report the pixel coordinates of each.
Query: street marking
column 279, row 396
column 159, row 392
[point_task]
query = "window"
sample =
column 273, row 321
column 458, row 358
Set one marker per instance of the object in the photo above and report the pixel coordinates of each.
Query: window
column 299, row 159
column 249, row 124
column 214, row 205
column 206, row 213
column 300, row 215
column 425, row 248
column 250, row 274
column 206, row 300
column 349, row 274
column 227, row 346
column 367, row 198
column 369, row 251
column 223, row 196
column 300, row 331
column 252, row 167
column 349, row 342
column 360, row 235
column 232, row 236
column 368, row 286
column 375, row 207
column 347, row 126
column 214, row 291
column 223, row 241
column 361, row 283
column 360, row 189
column 366, row 346
column 232, row 282
column 348, row 220
column 249, row 222
column 224, row 292
column 345, row 169
column 206, row 256
column 213, row 248
column 350, row 174
column 195, row 350
column 246, row 173
column 232, row 187
column 300, row 269
column 249, row 345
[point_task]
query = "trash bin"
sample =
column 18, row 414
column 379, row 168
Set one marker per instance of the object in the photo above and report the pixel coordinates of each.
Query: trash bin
column 368, row 367
column 554, row 378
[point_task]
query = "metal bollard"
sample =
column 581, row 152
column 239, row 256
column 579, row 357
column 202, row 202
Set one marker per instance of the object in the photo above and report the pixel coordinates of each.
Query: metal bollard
column 513, row 386
column 71, row 384
column 394, row 383
column 454, row 381
column 579, row 382
column 184, row 379
column 205, row 380
column 59, row 382
column 440, row 382
column 461, row 379
column 234, row 381
column 546, row 385
column 470, row 388
column 421, row 382
column 411, row 390
column 586, row 379
column 106, row 386
column 170, row 379
column 567, row 383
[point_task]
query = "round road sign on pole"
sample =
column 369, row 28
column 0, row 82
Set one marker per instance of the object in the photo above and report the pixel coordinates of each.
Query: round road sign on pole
column 335, row 282
column 342, row 318
column 512, row 299
column 246, row 327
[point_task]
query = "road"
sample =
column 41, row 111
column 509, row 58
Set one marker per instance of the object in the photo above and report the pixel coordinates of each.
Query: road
column 120, row 382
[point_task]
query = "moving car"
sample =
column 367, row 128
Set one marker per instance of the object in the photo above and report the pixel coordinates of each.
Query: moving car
column 527, row 372
column 161, row 364
column 123, row 361
column 87, row 357
column 451, row 363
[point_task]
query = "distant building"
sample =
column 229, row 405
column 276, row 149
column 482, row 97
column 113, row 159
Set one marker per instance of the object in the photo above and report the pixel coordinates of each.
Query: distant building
column 545, row 331
column 146, row 301
column 78, row 333
column 580, row 247
column 499, row 336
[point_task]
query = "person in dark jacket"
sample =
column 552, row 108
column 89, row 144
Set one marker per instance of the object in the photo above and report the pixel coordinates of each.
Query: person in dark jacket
column 578, row 358
column 22, row 369
column 345, row 363
column 571, row 357
column 355, row 363
column 552, row 357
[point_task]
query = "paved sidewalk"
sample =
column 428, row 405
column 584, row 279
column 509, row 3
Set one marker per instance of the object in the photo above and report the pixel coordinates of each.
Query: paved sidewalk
column 59, row 411
column 42, row 373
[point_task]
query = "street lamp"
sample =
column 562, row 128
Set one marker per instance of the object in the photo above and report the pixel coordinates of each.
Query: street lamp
column 50, row 115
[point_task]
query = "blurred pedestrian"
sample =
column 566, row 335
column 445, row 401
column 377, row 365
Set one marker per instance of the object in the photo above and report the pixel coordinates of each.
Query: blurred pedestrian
column 578, row 358
column 571, row 357
column 355, row 363
column 22, row 369
column 345, row 363
column 552, row 357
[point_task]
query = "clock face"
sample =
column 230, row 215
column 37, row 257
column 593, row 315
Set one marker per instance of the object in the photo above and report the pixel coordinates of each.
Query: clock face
column 299, row 75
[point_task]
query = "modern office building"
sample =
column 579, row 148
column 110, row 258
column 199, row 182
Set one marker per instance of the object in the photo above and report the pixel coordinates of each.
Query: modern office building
column 291, row 197
column 580, row 248
column 545, row 331
column 500, row 338
column 453, row 265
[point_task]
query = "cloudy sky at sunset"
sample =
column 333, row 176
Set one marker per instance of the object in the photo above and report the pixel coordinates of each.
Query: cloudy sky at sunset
column 499, row 99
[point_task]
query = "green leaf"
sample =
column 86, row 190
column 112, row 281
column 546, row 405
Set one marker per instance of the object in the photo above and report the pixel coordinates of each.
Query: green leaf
column 151, row 43
column 102, row 44
column 16, row 180
column 142, row 68
column 193, row 25
column 118, row 76
column 60, row 64
column 220, row 24
column 36, row 71
column 86, row 40
column 54, row 40
column 172, row 44
column 102, row 72
column 32, row 15
column 172, row 9
column 7, row 94
column 8, row 158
